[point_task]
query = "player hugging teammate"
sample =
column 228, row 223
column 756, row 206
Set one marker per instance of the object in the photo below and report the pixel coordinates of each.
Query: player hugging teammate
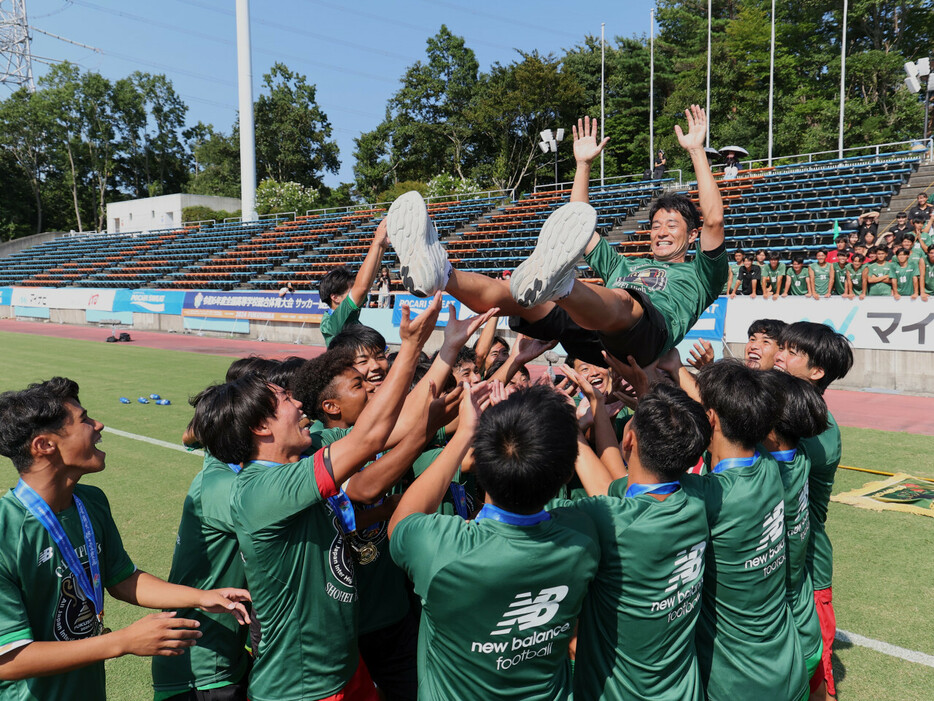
column 433, row 527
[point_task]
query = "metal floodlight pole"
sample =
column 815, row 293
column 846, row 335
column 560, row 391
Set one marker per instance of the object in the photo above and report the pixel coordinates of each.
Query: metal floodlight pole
column 602, row 92
column 247, row 133
column 15, row 51
column 771, row 82
column 652, row 89
column 709, row 20
column 842, row 81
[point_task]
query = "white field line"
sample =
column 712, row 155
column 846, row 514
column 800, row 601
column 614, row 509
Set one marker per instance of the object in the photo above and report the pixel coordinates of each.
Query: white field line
column 153, row 441
column 885, row 648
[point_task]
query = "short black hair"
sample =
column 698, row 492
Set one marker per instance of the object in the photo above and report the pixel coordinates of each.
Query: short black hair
column 314, row 381
column 804, row 412
column 902, row 250
column 769, row 327
column 798, row 258
column 739, row 251
column 24, row 414
column 335, row 283
column 858, row 258
column 673, row 431
column 773, row 255
column 826, row 349
column 358, row 337
column 525, row 449
column 465, row 355
column 682, row 204
column 252, row 363
column 284, row 371
column 919, row 220
column 226, row 414
column 908, row 237
column 745, row 406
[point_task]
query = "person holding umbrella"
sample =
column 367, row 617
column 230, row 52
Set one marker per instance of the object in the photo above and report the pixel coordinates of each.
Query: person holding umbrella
column 731, row 164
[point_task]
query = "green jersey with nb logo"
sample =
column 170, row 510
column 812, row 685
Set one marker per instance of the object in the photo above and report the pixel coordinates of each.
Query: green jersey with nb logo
column 799, row 281
column 822, row 277
column 824, row 452
column 680, row 291
column 905, row 277
column 635, row 637
column 207, row 556
column 500, row 602
column 40, row 598
column 747, row 645
column 774, row 276
column 880, row 289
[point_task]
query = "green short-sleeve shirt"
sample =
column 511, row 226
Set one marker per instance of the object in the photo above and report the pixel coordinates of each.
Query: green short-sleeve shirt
column 301, row 576
column 499, row 602
column 347, row 313
column 799, row 281
column 880, row 289
column 207, row 556
column 636, row 632
column 680, row 291
column 40, row 599
column 929, row 276
column 824, row 452
column 822, row 277
column 747, row 644
column 905, row 277
column 839, row 277
column 774, row 276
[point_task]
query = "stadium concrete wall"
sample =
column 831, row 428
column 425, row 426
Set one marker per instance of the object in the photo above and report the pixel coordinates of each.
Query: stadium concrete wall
column 16, row 245
column 893, row 340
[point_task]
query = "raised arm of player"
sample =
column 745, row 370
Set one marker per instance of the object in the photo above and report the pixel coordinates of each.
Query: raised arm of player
column 606, row 447
column 370, row 266
column 711, row 205
column 143, row 589
column 586, row 149
column 376, row 422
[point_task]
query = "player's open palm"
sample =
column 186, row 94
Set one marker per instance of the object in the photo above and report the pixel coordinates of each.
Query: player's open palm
column 697, row 129
column 586, row 144
column 418, row 330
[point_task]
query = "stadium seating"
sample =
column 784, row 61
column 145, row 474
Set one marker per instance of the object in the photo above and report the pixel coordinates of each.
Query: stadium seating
column 785, row 208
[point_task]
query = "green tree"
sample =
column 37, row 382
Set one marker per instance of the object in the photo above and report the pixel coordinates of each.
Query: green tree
column 25, row 128
column 292, row 132
column 215, row 161
column 274, row 197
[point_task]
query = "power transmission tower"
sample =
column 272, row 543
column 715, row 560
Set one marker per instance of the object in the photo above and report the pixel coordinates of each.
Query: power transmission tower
column 15, row 55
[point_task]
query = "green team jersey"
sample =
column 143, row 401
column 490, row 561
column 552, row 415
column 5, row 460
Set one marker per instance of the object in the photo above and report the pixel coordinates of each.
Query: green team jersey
column 822, row 277
column 347, row 313
column 839, row 277
column 747, row 645
column 824, row 451
column 879, row 289
column 207, row 556
column 680, row 291
column 499, row 602
column 774, row 276
column 928, row 276
column 635, row 637
column 794, row 469
column 301, row 576
column 905, row 277
column 381, row 584
column 464, row 479
column 855, row 276
column 799, row 281
column 40, row 599
column 730, row 278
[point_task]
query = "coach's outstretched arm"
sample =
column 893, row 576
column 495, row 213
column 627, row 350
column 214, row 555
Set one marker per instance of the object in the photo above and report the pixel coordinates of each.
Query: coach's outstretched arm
column 370, row 266
column 586, row 149
column 376, row 421
column 711, row 205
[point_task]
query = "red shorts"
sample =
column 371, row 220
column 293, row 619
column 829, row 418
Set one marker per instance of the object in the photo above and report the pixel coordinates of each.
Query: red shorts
column 359, row 688
column 828, row 629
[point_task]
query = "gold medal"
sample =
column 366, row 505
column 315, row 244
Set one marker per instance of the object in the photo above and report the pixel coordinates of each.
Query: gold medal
column 364, row 552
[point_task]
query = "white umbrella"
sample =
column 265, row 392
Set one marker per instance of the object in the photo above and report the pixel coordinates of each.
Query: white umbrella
column 735, row 149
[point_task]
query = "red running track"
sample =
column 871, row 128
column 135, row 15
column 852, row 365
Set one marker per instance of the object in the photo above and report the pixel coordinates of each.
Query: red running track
column 889, row 412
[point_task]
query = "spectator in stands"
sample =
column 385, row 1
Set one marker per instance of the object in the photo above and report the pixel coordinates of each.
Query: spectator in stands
column 900, row 226
column 927, row 274
column 773, row 277
column 748, row 279
column 841, row 251
column 660, row 166
column 798, row 279
column 862, row 249
column 383, row 283
column 286, row 289
column 840, row 267
column 505, row 275
column 868, row 227
column 922, row 208
column 731, row 166
column 856, row 277
column 905, row 274
column 887, row 241
column 762, row 260
column 879, row 274
column 821, row 274
column 916, row 253
column 919, row 230
column 927, row 239
column 738, row 257
column 346, row 293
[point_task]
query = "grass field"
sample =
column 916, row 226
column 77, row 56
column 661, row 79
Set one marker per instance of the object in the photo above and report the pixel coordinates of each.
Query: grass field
column 884, row 571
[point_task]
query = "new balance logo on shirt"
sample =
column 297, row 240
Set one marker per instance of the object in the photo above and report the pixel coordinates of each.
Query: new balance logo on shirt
column 689, row 565
column 530, row 613
column 773, row 527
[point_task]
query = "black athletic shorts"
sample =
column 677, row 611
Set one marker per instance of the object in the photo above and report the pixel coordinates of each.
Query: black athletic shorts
column 645, row 341
column 231, row 692
column 391, row 656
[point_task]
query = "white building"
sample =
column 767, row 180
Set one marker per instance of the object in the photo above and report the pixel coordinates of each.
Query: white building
column 163, row 212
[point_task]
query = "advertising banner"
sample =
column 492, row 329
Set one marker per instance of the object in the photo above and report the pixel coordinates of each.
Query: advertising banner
column 419, row 304
column 261, row 306
column 64, row 298
column 150, row 301
column 6, row 296
column 711, row 323
column 881, row 323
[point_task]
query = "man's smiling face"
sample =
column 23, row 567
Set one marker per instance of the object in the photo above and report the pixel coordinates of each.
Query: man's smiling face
column 670, row 237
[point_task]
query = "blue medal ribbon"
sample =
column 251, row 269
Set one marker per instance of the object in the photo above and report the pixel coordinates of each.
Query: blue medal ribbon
column 634, row 490
column 730, row 463
column 93, row 588
column 343, row 510
column 235, row 467
column 497, row 514
column 784, row 455
column 459, row 495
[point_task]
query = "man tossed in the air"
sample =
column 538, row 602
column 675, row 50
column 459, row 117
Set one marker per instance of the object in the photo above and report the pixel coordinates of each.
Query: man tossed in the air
column 647, row 304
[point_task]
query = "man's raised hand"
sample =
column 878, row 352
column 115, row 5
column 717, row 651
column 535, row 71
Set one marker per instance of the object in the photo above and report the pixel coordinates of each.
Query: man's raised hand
column 227, row 600
column 417, row 330
column 458, row 331
column 697, row 129
column 586, row 146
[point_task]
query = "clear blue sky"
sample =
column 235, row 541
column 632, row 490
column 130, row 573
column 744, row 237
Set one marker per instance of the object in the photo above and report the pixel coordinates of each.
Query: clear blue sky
column 355, row 51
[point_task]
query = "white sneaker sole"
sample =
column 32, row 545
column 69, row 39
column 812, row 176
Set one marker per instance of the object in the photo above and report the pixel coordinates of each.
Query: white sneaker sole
column 423, row 263
column 547, row 274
